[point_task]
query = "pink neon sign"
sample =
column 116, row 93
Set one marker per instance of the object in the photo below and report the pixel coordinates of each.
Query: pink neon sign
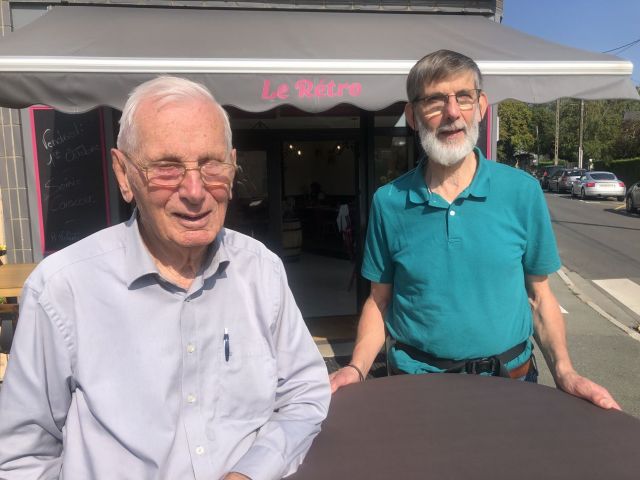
column 304, row 88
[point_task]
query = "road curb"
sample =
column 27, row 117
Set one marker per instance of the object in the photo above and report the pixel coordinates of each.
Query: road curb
column 562, row 273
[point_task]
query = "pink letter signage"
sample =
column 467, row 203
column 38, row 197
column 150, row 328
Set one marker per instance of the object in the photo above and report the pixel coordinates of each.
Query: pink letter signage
column 305, row 88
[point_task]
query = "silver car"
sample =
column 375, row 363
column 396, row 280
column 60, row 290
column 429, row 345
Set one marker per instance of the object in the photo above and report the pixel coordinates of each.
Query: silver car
column 632, row 201
column 598, row 184
column 568, row 177
column 562, row 181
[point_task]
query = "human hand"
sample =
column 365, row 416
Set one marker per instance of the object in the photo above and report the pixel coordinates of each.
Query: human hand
column 582, row 387
column 342, row 377
column 235, row 476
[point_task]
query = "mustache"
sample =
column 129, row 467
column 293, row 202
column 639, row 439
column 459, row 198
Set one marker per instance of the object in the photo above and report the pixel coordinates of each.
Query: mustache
column 452, row 127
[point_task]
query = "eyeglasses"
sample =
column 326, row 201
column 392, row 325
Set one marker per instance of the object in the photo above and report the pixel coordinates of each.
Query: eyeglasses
column 170, row 174
column 435, row 104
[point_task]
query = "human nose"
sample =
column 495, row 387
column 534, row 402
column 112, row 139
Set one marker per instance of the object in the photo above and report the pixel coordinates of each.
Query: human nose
column 192, row 186
column 451, row 107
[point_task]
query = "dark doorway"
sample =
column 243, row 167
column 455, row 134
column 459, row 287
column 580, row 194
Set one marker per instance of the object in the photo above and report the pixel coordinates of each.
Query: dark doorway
column 319, row 222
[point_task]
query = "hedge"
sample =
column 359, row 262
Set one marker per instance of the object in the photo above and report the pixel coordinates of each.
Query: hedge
column 627, row 170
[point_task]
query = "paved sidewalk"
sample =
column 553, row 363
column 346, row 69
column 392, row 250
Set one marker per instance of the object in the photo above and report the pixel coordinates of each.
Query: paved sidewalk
column 602, row 345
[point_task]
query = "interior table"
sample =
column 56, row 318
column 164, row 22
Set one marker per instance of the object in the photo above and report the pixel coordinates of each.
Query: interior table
column 454, row 426
column 12, row 277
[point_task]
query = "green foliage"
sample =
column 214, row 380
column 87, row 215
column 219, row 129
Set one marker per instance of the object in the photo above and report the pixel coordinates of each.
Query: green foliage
column 569, row 129
column 627, row 144
column 516, row 132
column 606, row 136
column 544, row 121
column 627, row 170
column 604, row 128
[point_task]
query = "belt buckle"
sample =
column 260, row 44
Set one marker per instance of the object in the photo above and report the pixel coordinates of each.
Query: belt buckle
column 481, row 365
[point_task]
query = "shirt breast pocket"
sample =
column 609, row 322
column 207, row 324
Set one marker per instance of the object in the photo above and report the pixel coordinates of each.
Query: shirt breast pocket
column 246, row 380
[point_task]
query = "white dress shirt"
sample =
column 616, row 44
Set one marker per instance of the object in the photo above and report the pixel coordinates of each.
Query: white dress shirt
column 116, row 373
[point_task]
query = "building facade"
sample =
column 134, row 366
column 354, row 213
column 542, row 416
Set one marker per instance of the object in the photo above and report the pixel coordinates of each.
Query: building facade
column 304, row 188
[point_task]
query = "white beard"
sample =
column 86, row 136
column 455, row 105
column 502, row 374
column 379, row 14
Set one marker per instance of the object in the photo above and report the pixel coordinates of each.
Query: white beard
column 445, row 153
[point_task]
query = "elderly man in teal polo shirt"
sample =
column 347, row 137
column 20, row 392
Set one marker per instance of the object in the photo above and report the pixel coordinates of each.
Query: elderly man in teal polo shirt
column 458, row 252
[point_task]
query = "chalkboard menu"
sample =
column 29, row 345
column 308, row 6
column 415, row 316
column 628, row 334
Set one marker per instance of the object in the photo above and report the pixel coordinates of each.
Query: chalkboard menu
column 70, row 166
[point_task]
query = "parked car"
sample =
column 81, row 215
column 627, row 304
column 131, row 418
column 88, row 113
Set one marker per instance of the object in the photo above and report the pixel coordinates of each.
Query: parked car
column 632, row 199
column 545, row 172
column 554, row 178
column 565, row 179
column 598, row 184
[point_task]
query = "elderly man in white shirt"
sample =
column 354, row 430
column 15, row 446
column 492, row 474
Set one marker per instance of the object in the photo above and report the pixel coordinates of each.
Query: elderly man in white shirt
column 166, row 347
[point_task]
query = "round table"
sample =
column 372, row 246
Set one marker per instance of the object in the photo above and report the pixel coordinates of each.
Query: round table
column 448, row 426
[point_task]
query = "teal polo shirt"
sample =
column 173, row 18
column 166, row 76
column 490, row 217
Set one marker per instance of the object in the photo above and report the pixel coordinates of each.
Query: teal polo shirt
column 458, row 269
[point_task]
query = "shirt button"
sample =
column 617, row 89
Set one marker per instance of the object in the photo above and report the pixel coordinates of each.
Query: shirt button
column 191, row 398
column 452, row 213
column 199, row 450
column 191, row 348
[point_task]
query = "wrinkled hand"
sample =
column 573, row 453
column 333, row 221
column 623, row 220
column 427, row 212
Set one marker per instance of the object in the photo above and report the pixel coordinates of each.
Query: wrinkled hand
column 582, row 387
column 235, row 476
column 344, row 376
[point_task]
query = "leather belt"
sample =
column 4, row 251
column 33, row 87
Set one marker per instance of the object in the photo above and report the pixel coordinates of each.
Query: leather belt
column 495, row 365
column 520, row 371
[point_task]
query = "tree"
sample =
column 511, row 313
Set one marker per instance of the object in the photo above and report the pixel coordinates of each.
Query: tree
column 606, row 136
column 544, row 122
column 517, row 133
column 569, row 129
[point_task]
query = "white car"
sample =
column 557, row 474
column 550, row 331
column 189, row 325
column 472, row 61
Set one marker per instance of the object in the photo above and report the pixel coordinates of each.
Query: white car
column 598, row 184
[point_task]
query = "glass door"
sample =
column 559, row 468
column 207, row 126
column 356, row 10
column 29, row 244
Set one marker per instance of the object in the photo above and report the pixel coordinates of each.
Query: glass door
column 319, row 218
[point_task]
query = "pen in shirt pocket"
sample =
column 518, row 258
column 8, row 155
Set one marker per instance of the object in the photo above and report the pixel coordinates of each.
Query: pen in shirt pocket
column 225, row 340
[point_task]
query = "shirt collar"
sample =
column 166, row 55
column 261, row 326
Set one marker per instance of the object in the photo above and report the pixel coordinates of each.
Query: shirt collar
column 139, row 262
column 479, row 187
column 481, row 183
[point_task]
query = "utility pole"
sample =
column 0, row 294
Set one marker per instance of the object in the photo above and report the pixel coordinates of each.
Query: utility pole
column 557, row 144
column 580, row 151
column 537, row 146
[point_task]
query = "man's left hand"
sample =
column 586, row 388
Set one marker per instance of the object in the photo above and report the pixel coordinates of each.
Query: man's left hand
column 582, row 387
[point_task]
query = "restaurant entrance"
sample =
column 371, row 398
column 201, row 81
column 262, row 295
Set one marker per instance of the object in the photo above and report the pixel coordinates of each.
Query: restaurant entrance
column 297, row 192
column 320, row 215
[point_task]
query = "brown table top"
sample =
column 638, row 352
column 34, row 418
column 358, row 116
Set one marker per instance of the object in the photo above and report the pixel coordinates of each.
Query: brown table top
column 448, row 426
column 12, row 278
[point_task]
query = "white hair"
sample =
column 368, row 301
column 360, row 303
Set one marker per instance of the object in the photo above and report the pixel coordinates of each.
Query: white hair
column 164, row 89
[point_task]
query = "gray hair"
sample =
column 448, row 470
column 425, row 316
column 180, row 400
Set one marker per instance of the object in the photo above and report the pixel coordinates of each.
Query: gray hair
column 439, row 66
column 164, row 89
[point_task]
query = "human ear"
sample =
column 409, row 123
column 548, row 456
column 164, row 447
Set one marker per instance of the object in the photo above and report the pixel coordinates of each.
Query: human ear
column 120, row 170
column 409, row 115
column 484, row 103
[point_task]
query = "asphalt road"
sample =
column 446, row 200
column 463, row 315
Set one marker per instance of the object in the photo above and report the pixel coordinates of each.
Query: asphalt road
column 597, row 238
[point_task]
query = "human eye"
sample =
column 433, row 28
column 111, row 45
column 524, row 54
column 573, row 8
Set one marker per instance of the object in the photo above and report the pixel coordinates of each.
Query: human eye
column 215, row 171
column 465, row 97
column 165, row 167
column 435, row 101
column 212, row 167
column 160, row 172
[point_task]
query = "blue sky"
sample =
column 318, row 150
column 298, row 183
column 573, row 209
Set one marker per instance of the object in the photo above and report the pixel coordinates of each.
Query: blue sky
column 594, row 25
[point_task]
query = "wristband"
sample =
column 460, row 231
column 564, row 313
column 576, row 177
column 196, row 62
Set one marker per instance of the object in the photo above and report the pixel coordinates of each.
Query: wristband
column 360, row 375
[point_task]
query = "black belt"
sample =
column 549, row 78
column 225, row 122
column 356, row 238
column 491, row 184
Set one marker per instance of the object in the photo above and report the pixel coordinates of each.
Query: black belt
column 495, row 365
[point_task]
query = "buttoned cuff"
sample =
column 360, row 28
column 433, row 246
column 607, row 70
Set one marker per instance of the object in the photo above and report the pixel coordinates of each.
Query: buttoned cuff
column 261, row 463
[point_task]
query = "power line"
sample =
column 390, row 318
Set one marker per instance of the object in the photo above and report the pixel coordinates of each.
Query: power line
column 624, row 49
column 625, row 46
